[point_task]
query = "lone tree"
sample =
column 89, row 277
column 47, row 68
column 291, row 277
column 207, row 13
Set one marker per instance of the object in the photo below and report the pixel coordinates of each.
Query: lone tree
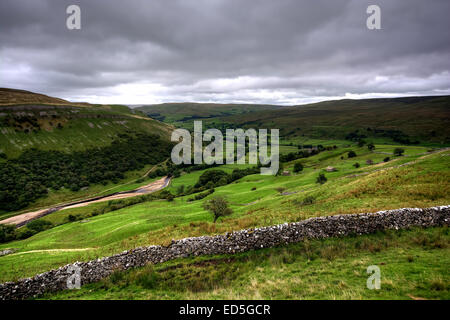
column 399, row 151
column 321, row 179
column 218, row 206
column 351, row 154
column 371, row 146
column 298, row 167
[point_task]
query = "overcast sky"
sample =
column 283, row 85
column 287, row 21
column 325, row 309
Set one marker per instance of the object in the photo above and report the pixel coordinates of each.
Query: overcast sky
column 252, row 51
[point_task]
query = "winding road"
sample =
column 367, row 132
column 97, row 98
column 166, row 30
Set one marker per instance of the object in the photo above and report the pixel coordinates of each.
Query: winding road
column 23, row 219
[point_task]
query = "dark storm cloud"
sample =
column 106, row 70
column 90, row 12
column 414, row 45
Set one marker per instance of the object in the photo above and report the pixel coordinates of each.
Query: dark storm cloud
column 263, row 51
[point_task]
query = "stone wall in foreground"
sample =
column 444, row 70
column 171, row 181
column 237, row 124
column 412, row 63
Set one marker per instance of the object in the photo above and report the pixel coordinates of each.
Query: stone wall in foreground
column 240, row 241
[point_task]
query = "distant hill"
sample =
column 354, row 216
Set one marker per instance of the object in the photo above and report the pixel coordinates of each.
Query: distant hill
column 14, row 96
column 185, row 112
column 32, row 120
column 423, row 119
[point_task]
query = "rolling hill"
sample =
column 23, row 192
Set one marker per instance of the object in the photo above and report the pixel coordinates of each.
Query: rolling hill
column 31, row 120
column 185, row 112
column 401, row 120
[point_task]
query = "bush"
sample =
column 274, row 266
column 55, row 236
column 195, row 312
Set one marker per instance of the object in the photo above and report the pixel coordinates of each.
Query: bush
column 356, row 165
column 371, row 146
column 7, row 233
column 321, row 179
column 351, row 154
column 386, row 159
column 398, row 152
column 298, row 167
column 39, row 225
column 308, row 200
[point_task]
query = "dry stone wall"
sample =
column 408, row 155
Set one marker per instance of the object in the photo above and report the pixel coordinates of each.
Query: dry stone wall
column 240, row 241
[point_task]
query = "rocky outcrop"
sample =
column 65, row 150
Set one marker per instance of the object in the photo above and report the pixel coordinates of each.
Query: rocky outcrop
column 240, row 241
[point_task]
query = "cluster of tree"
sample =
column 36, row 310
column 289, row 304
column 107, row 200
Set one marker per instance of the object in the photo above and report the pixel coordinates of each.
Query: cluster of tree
column 201, row 195
column 211, row 179
column 321, row 178
column 10, row 233
column 27, row 178
column 304, row 153
column 355, row 136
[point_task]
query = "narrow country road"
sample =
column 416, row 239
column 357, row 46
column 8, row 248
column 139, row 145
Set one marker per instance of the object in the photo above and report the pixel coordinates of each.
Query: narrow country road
column 24, row 218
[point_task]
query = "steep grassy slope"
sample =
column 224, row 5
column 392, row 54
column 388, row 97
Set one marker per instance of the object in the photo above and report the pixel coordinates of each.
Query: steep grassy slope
column 35, row 121
column 413, row 265
column 422, row 181
column 426, row 119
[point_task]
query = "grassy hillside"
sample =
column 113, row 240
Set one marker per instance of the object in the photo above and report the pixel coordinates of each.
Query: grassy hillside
column 426, row 119
column 36, row 121
column 412, row 263
column 422, row 181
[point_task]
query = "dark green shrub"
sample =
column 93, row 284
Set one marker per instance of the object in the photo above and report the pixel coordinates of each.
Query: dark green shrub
column 351, row 154
column 298, row 167
column 398, row 152
column 39, row 225
column 7, row 233
column 321, row 179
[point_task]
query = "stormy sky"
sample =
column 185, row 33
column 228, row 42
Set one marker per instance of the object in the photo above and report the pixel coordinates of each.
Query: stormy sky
column 243, row 51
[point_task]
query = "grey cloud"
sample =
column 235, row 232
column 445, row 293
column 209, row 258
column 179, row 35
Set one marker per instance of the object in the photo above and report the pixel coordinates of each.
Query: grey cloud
column 261, row 51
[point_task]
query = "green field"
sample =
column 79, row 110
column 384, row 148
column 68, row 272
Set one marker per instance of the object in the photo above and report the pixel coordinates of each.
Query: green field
column 422, row 182
column 413, row 265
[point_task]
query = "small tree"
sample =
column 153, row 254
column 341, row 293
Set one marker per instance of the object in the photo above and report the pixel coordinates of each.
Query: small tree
column 351, row 154
column 298, row 167
column 356, row 165
column 321, row 178
column 371, row 146
column 398, row 152
column 386, row 159
column 218, row 206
